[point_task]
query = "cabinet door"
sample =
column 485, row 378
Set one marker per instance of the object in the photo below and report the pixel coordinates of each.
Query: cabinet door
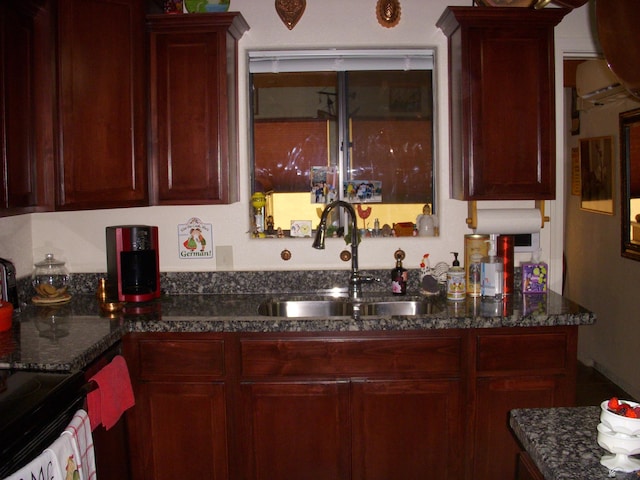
column 496, row 450
column 512, row 110
column 182, row 431
column 517, row 368
column 409, row 429
column 502, row 102
column 178, row 427
column 102, row 134
column 296, row 430
column 193, row 109
column 26, row 162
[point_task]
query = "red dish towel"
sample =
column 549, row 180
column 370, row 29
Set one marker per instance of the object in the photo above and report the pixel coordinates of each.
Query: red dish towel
column 113, row 396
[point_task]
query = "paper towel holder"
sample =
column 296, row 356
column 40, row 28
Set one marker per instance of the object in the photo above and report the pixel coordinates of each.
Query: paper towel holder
column 472, row 213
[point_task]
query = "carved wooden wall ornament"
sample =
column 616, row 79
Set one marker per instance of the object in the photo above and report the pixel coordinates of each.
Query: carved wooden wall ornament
column 388, row 13
column 290, row 11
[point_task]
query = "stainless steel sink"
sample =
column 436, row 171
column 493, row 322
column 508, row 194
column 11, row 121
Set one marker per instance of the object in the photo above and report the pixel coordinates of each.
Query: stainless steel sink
column 342, row 307
column 305, row 308
column 396, row 308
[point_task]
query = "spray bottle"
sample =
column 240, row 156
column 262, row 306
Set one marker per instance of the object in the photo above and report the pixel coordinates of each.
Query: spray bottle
column 491, row 272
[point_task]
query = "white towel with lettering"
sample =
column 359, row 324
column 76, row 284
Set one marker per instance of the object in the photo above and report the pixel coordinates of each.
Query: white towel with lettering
column 65, row 454
column 43, row 466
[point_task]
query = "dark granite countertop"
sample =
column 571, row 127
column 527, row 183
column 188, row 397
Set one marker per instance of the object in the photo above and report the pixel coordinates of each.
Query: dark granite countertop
column 562, row 442
column 69, row 337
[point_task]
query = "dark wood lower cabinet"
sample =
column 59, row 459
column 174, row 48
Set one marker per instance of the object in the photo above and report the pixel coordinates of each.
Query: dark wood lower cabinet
column 356, row 405
column 186, row 426
column 495, row 397
column 527, row 469
column 516, row 368
column 296, row 430
column 178, row 427
column 409, row 429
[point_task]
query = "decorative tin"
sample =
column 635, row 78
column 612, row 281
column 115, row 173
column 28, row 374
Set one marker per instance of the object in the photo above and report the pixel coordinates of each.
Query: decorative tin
column 456, row 289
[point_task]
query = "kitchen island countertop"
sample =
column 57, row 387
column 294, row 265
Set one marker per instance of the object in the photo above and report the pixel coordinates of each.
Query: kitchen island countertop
column 69, row 337
column 562, row 442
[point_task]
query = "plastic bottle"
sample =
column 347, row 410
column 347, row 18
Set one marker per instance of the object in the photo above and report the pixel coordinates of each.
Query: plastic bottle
column 491, row 277
column 399, row 278
column 456, row 289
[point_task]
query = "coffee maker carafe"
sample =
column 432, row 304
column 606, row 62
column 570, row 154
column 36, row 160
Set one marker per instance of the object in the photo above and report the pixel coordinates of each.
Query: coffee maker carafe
column 133, row 266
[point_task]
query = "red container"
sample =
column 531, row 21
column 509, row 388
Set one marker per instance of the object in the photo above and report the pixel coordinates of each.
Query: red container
column 505, row 253
column 6, row 316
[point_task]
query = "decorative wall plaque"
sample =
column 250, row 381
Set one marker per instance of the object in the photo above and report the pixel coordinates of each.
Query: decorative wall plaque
column 290, row 11
column 388, row 13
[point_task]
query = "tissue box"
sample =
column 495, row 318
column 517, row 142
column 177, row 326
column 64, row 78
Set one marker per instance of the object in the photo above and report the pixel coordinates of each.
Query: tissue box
column 534, row 304
column 534, row 277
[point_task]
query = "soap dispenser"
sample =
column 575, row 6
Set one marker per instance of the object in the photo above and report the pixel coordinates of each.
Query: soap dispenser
column 491, row 277
column 456, row 289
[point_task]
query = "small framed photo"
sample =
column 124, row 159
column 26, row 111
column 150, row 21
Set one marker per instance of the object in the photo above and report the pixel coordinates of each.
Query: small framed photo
column 596, row 174
column 300, row 228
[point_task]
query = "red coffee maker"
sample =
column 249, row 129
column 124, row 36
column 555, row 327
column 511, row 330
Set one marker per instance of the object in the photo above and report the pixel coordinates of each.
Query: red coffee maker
column 133, row 265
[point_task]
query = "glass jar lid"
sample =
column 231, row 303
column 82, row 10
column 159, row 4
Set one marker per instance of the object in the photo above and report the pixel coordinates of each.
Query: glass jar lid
column 49, row 262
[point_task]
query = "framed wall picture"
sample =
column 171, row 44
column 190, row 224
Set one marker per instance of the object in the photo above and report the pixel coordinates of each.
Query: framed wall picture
column 576, row 184
column 596, row 174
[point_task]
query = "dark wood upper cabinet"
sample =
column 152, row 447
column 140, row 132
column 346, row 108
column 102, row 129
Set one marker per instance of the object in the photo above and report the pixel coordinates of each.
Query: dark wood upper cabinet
column 502, row 104
column 76, row 101
column 102, row 104
column 26, row 163
column 193, row 108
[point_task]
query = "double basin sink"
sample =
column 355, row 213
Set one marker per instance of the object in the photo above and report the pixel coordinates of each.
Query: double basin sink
column 343, row 307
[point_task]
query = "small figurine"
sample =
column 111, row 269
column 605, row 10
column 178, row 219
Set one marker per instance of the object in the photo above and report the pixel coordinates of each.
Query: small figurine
column 428, row 283
column 427, row 223
column 270, row 224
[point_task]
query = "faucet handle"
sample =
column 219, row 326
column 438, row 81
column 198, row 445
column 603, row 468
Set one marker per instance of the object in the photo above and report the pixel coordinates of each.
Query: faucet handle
column 368, row 279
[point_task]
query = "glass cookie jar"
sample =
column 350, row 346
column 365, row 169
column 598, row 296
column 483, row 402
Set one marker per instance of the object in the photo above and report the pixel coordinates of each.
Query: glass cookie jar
column 50, row 278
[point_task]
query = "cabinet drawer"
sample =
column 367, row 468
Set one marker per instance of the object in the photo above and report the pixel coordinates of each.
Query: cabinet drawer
column 350, row 357
column 522, row 352
column 158, row 359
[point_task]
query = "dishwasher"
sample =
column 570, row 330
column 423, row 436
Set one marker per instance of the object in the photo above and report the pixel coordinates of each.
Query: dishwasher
column 35, row 408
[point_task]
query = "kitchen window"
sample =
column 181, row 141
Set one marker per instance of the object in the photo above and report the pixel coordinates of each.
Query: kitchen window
column 355, row 125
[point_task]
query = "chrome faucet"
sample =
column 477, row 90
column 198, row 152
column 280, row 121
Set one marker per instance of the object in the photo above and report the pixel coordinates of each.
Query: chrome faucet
column 356, row 279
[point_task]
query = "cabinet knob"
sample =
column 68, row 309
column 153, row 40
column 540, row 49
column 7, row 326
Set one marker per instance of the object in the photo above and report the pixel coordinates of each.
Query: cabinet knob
column 285, row 255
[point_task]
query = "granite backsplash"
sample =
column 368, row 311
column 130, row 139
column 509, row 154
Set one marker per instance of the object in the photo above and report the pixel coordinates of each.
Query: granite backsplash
column 246, row 282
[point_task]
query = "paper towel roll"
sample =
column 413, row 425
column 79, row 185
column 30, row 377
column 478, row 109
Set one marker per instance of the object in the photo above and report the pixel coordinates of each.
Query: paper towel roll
column 509, row 221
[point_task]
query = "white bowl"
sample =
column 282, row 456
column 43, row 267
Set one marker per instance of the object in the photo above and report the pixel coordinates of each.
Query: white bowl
column 618, row 442
column 619, row 423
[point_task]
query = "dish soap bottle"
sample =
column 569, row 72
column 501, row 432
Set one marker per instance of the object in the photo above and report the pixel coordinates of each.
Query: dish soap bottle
column 491, row 272
column 399, row 275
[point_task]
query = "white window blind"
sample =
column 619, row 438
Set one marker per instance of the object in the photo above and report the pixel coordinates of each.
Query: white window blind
column 279, row 61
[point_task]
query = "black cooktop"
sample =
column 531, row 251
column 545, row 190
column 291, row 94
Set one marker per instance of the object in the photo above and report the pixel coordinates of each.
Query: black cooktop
column 34, row 409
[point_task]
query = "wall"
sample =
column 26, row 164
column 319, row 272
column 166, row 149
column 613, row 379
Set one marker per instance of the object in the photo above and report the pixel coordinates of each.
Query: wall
column 598, row 277
column 78, row 237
